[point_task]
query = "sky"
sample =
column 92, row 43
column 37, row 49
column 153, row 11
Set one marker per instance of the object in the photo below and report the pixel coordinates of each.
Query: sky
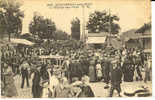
column 132, row 13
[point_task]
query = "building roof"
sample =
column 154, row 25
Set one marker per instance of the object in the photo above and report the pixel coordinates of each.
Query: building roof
column 131, row 34
column 20, row 41
column 144, row 28
column 143, row 36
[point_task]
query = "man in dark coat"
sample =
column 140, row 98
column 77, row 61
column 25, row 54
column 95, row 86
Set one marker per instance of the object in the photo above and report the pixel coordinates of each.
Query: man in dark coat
column 36, row 88
column 86, row 91
column 25, row 74
column 71, row 68
column 116, row 78
column 128, row 70
column 75, row 70
column 106, row 70
column 85, row 66
column 78, row 69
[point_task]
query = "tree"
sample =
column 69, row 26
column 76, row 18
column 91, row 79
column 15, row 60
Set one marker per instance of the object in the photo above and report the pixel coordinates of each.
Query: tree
column 60, row 35
column 41, row 27
column 10, row 17
column 75, row 29
column 101, row 21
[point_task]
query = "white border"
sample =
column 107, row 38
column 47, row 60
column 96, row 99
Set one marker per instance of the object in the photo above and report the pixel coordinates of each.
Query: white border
column 153, row 48
column 153, row 70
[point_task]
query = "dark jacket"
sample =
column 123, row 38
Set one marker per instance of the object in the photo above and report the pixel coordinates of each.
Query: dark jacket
column 24, row 72
column 36, row 88
column 106, row 68
column 116, row 75
column 86, row 91
column 76, row 69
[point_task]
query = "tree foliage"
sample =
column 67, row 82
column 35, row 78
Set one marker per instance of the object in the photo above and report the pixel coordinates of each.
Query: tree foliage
column 100, row 21
column 75, row 28
column 10, row 17
column 41, row 27
column 60, row 35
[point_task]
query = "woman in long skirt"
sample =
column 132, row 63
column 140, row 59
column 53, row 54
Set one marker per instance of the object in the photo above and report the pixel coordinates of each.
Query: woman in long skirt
column 92, row 71
column 10, row 89
column 99, row 71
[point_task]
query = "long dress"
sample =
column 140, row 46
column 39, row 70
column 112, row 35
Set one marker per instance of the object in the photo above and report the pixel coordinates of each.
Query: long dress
column 92, row 71
column 53, row 82
column 10, row 89
column 128, row 71
column 99, row 71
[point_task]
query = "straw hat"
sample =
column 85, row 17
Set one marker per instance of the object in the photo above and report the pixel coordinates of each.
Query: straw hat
column 57, row 69
column 5, row 65
column 38, row 67
column 117, row 57
column 24, row 61
column 99, row 60
column 45, row 83
column 114, row 61
column 74, row 79
column 85, row 79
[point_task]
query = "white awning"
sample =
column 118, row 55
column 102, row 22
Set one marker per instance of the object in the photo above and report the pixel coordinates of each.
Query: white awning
column 21, row 41
column 96, row 40
column 51, row 56
column 148, row 50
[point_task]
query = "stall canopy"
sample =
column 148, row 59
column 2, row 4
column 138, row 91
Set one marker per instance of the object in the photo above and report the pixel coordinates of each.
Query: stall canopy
column 21, row 41
column 4, row 43
column 96, row 40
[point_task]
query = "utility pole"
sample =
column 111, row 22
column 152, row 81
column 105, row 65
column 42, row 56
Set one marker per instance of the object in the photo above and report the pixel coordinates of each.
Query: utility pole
column 83, row 23
column 7, row 23
column 109, row 36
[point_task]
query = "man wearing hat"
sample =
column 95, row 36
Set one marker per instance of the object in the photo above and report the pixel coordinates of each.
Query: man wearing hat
column 65, row 65
column 84, row 65
column 106, row 70
column 148, row 67
column 25, row 73
column 116, row 76
column 36, row 88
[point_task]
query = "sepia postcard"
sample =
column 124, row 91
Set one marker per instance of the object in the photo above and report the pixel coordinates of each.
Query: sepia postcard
column 75, row 48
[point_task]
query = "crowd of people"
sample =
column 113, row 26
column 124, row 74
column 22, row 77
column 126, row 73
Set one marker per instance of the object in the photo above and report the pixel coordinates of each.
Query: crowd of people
column 69, row 75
